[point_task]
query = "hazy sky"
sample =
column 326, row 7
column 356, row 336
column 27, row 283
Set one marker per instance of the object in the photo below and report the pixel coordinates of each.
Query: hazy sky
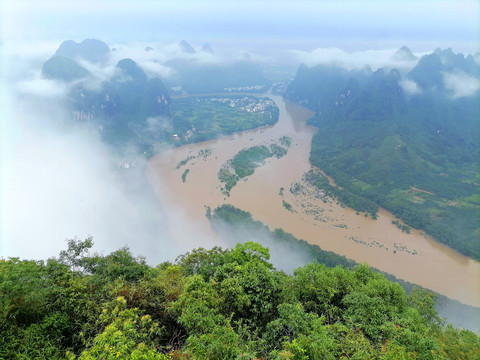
column 305, row 24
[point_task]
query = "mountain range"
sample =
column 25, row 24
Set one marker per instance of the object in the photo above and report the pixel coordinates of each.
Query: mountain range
column 407, row 140
column 123, row 106
column 131, row 108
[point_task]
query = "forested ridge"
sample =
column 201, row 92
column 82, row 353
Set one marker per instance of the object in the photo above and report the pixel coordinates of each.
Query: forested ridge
column 214, row 304
column 406, row 141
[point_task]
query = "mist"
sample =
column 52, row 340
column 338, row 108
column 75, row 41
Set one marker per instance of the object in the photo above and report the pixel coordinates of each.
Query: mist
column 461, row 84
column 60, row 181
column 355, row 60
column 410, row 87
column 282, row 255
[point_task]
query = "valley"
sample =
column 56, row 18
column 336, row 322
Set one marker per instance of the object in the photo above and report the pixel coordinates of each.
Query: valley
column 271, row 180
column 310, row 215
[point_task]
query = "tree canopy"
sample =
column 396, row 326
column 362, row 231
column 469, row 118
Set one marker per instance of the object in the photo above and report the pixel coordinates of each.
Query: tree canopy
column 214, row 304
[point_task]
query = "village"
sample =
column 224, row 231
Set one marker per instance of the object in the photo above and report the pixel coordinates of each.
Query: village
column 246, row 103
column 202, row 117
column 245, row 88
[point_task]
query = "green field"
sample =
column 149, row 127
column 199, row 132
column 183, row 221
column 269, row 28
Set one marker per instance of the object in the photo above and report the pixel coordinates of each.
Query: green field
column 199, row 118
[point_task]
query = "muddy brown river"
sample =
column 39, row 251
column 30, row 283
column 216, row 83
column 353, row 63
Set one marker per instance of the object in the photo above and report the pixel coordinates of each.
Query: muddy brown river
column 414, row 257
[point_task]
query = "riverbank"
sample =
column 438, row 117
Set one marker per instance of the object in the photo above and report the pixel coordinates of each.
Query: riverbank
column 413, row 257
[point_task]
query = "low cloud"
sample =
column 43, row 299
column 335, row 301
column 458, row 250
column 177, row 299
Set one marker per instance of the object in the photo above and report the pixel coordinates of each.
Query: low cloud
column 358, row 60
column 155, row 61
column 23, row 58
column 461, row 84
column 410, row 87
column 160, row 59
column 157, row 124
column 58, row 180
column 476, row 58
column 42, row 87
column 61, row 184
column 153, row 68
column 154, row 126
column 282, row 255
column 99, row 73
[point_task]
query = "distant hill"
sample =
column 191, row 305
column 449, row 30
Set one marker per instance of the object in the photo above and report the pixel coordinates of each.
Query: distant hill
column 129, row 108
column 89, row 49
column 431, row 69
column 207, row 48
column 403, row 54
column 123, row 105
column 63, row 64
column 63, row 68
column 382, row 141
column 186, row 47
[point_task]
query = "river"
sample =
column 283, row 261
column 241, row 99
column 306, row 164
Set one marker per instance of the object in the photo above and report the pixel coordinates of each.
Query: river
column 414, row 257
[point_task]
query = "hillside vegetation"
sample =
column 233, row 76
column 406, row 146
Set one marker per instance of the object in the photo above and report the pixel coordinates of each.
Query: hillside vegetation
column 288, row 253
column 408, row 142
column 214, row 304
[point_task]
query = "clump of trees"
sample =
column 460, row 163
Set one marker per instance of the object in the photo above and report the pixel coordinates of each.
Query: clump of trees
column 213, row 304
column 245, row 162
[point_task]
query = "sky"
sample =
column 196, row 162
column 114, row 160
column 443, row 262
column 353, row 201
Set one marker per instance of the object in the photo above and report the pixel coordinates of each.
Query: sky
column 350, row 25
column 56, row 181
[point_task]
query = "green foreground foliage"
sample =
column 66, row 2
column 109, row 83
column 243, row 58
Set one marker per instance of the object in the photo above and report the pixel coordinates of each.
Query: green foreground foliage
column 288, row 253
column 213, row 304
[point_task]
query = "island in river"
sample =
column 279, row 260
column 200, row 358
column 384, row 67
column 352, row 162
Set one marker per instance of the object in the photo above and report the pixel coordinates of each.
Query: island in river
column 310, row 215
